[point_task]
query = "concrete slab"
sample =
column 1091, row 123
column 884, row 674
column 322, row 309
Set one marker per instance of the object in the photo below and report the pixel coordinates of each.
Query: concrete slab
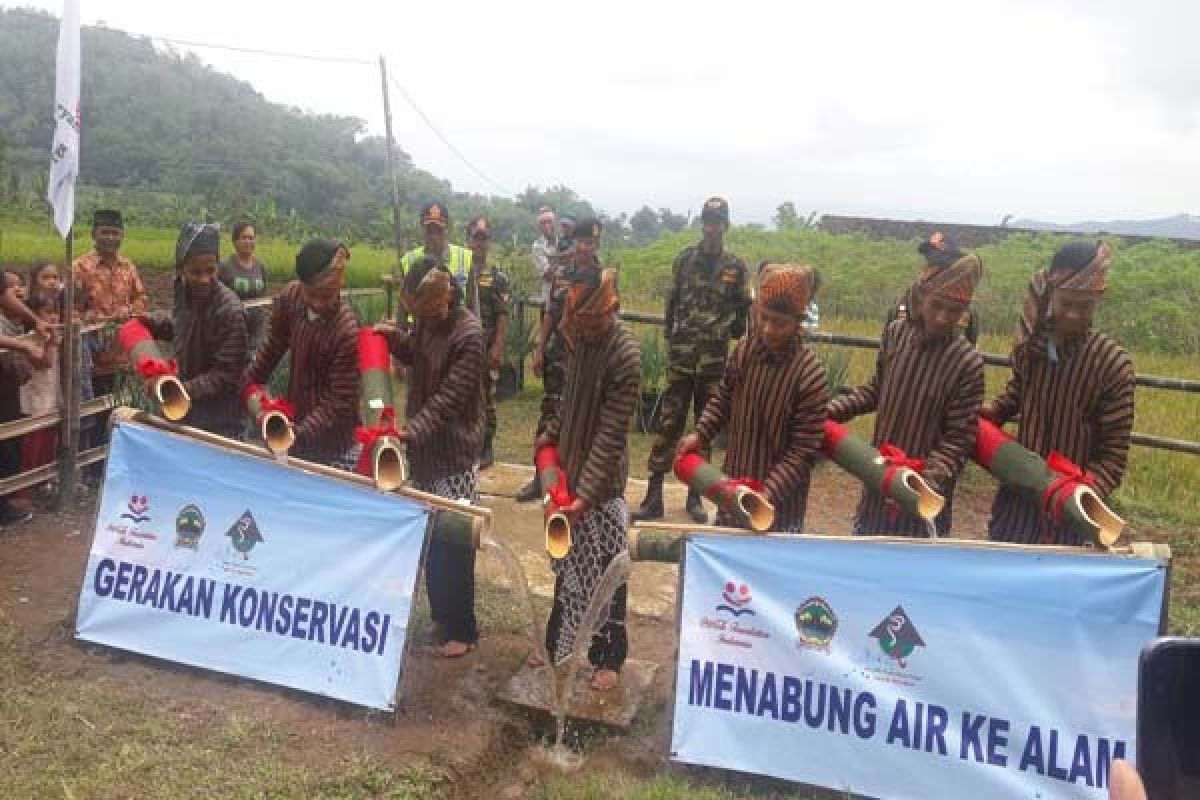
column 615, row 709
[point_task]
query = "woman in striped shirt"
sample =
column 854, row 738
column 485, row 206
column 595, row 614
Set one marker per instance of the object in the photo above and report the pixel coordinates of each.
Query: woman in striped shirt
column 772, row 398
column 590, row 426
column 443, row 430
column 1072, row 387
column 926, row 390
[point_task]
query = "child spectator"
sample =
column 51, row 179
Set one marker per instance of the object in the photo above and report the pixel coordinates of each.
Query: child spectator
column 42, row 394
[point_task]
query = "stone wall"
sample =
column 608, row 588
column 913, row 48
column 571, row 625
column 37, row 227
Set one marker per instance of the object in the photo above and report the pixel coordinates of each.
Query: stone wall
column 967, row 236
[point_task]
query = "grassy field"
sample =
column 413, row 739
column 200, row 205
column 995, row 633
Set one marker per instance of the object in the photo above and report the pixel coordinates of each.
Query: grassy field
column 1153, row 285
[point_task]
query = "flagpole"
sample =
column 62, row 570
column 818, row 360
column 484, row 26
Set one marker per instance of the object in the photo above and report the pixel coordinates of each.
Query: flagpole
column 60, row 193
column 68, row 451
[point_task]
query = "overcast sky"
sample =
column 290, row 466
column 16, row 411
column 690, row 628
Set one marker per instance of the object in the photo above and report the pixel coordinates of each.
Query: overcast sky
column 957, row 111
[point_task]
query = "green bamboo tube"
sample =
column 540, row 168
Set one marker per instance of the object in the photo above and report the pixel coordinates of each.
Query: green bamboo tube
column 1082, row 511
column 384, row 457
column 147, row 360
column 907, row 489
column 744, row 504
column 457, row 530
column 648, row 545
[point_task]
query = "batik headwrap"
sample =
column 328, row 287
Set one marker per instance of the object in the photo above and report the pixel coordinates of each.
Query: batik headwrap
column 1081, row 266
column 948, row 271
column 197, row 239
column 316, row 257
column 591, row 300
column 427, row 288
column 787, row 288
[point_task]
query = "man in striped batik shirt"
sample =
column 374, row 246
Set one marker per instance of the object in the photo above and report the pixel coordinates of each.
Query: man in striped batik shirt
column 771, row 399
column 926, row 392
column 310, row 321
column 1072, row 387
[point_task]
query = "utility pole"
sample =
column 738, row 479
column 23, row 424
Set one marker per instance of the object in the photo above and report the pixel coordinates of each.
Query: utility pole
column 391, row 168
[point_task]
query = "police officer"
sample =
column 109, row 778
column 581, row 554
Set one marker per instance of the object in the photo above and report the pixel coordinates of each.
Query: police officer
column 495, row 302
column 435, row 226
column 707, row 307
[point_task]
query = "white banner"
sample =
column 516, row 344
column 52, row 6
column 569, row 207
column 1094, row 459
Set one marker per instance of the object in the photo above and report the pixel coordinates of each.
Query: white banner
column 904, row 671
column 64, row 152
column 221, row 560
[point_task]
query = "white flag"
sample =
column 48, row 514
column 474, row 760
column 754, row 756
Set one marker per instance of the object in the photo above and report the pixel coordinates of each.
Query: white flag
column 64, row 154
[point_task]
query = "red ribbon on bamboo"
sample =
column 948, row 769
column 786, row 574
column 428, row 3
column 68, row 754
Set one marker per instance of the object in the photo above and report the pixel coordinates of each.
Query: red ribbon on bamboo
column 896, row 459
column 368, row 436
column 560, row 494
column 373, row 351
column 266, row 402
column 1070, row 476
column 133, row 333
column 685, row 469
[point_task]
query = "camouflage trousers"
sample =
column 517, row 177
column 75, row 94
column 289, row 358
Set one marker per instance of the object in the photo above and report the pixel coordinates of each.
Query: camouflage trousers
column 490, row 378
column 684, row 390
column 554, row 375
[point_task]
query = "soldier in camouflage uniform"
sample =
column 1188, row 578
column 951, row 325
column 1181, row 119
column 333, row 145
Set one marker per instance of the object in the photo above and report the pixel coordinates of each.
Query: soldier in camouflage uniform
column 706, row 308
column 495, row 302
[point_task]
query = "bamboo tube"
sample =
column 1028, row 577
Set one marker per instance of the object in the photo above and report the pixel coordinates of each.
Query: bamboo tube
column 1057, row 484
column 474, row 522
column 273, row 418
column 881, row 474
column 664, row 542
column 555, row 496
column 148, row 362
column 740, row 498
column 381, row 457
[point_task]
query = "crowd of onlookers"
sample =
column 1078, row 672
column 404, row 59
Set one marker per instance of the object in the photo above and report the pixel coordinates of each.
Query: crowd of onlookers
column 107, row 288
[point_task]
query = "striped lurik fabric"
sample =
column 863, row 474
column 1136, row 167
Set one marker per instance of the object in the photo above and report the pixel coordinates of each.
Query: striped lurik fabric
column 773, row 406
column 925, row 393
column 591, row 423
column 444, row 405
column 1082, row 407
column 323, row 373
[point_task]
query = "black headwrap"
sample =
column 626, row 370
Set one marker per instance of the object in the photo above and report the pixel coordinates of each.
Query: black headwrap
column 107, row 218
column 315, row 257
column 197, row 239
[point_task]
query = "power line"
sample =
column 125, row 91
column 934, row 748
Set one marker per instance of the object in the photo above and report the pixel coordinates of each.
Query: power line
column 257, row 52
column 449, row 145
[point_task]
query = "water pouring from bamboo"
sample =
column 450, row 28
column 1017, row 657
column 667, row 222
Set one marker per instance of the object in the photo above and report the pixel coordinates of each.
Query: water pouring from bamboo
column 740, row 498
column 887, row 471
column 556, row 496
column 273, row 417
column 382, row 459
column 147, row 360
column 1062, row 489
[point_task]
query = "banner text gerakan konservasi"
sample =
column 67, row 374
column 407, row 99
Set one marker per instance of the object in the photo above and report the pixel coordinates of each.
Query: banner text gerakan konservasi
column 910, row 724
column 273, row 612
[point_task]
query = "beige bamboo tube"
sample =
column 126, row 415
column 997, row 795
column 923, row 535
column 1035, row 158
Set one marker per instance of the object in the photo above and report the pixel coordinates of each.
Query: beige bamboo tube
column 172, row 398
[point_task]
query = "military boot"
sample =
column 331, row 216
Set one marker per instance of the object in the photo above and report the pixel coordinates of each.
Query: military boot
column 529, row 492
column 695, row 508
column 487, row 457
column 652, row 505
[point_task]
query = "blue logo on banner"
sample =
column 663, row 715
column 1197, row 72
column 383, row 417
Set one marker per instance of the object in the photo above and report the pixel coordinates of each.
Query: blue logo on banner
column 737, row 600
